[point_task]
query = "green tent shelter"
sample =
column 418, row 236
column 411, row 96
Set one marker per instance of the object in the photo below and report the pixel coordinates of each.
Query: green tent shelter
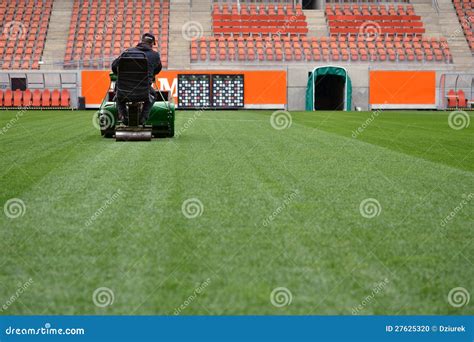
column 329, row 88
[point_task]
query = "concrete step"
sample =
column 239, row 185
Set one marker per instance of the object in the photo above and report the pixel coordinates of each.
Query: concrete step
column 187, row 19
column 56, row 39
column 316, row 20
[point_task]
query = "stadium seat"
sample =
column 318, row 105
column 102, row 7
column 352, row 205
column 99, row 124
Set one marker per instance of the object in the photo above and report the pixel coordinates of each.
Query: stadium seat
column 46, row 98
column 55, row 98
column 27, row 98
column 36, row 98
column 65, row 98
column 462, row 101
column 452, row 99
column 8, row 98
column 17, row 97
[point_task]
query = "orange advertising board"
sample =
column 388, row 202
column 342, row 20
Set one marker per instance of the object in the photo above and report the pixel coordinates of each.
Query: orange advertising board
column 402, row 87
column 261, row 87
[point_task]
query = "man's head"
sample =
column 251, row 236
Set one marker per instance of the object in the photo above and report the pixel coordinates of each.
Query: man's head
column 148, row 39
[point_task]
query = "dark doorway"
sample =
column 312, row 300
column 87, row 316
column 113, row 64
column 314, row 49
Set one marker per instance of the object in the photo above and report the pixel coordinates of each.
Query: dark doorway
column 329, row 92
column 18, row 83
column 309, row 4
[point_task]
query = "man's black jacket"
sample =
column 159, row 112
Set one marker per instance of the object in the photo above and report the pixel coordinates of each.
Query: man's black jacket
column 153, row 57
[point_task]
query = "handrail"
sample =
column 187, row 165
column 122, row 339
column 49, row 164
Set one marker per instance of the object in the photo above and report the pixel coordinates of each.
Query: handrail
column 435, row 5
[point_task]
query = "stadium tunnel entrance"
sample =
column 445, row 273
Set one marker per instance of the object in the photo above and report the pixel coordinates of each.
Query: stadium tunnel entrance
column 329, row 88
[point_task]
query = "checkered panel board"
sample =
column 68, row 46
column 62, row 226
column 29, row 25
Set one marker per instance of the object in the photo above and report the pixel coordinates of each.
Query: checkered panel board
column 227, row 91
column 194, row 91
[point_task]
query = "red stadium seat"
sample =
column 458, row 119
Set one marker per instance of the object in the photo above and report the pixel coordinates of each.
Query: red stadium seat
column 17, row 96
column 8, row 98
column 46, row 98
column 36, row 98
column 55, row 98
column 452, row 99
column 462, row 101
column 27, row 98
column 65, row 98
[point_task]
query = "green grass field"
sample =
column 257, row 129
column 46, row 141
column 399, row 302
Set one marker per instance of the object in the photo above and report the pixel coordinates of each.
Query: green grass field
column 280, row 208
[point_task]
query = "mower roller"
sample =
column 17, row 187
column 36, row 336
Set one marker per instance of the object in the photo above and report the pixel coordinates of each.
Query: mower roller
column 160, row 123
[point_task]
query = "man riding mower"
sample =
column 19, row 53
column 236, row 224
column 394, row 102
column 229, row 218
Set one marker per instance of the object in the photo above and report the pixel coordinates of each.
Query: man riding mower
column 134, row 115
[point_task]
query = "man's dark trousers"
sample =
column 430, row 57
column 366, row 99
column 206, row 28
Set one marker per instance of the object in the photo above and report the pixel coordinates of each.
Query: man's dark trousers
column 147, row 105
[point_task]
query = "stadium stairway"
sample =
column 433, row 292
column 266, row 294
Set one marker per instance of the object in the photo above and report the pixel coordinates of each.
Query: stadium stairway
column 445, row 24
column 56, row 40
column 186, row 17
column 316, row 20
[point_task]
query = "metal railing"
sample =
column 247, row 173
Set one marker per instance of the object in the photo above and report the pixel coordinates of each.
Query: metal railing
column 435, row 5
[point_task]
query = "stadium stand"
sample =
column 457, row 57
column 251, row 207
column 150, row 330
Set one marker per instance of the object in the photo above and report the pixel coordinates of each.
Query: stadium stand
column 465, row 12
column 24, row 24
column 101, row 29
column 36, row 99
column 357, row 32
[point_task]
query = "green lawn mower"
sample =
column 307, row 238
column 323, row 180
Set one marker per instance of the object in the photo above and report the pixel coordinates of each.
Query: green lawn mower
column 160, row 123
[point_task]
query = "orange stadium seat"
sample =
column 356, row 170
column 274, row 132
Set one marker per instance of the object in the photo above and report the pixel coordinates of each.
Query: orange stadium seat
column 8, row 98
column 27, row 98
column 462, row 101
column 17, row 97
column 55, row 98
column 36, row 98
column 65, row 98
column 46, row 98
